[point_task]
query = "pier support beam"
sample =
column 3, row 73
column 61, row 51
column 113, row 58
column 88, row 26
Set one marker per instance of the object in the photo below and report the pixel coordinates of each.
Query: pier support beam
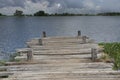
column 94, row 53
column 44, row 34
column 79, row 33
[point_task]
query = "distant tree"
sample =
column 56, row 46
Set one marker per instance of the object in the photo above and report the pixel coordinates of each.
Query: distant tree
column 56, row 14
column 0, row 14
column 40, row 13
column 18, row 13
column 109, row 14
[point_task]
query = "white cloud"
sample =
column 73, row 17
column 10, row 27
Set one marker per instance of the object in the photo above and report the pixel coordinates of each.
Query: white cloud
column 9, row 10
column 53, row 6
column 31, row 7
column 90, row 5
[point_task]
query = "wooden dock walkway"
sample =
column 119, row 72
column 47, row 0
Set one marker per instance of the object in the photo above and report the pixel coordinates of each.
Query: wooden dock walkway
column 61, row 58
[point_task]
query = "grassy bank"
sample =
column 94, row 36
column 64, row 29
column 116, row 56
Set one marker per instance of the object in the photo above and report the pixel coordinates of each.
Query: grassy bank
column 11, row 59
column 113, row 51
column 2, row 62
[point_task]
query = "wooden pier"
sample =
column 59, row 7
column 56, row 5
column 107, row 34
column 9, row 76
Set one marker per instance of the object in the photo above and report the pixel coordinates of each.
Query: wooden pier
column 61, row 58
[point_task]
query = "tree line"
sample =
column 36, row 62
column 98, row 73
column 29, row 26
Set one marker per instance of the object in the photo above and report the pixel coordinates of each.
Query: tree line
column 110, row 14
column 42, row 13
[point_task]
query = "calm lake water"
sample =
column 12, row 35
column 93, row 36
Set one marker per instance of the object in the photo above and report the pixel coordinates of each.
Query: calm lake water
column 15, row 31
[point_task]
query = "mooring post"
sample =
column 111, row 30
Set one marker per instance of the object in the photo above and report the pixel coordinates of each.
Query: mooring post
column 79, row 33
column 94, row 53
column 44, row 34
column 29, row 55
column 84, row 39
column 40, row 41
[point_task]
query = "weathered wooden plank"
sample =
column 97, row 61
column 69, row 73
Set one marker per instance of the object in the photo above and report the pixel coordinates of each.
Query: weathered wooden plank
column 37, row 78
column 2, row 69
column 55, row 39
column 78, row 46
column 3, row 74
column 23, row 50
column 89, row 74
column 75, row 73
column 63, row 64
column 42, row 57
column 62, row 37
column 63, row 68
column 20, row 63
column 57, row 42
column 63, row 52
column 68, row 77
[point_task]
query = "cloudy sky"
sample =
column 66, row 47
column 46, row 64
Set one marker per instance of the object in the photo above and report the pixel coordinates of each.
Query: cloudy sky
column 59, row 6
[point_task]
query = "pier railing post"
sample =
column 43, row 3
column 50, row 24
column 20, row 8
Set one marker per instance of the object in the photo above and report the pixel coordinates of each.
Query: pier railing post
column 94, row 53
column 44, row 34
column 84, row 39
column 29, row 55
column 79, row 33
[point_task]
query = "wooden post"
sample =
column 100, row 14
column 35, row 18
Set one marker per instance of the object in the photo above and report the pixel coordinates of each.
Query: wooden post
column 28, row 46
column 79, row 33
column 44, row 34
column 29, row 55
column 40, row 41
column 84, row 39
column 94, row 53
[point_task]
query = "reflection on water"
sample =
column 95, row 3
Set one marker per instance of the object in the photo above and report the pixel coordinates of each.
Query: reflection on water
column 15, row 31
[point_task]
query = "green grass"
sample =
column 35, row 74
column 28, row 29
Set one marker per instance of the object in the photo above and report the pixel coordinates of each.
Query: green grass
column 113, row 50
column 12, row 57
column 2, row 63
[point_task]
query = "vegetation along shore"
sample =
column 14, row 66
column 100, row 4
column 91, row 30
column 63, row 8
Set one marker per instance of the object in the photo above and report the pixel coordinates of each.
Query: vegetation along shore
column 43, row 13
column 112, row 51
